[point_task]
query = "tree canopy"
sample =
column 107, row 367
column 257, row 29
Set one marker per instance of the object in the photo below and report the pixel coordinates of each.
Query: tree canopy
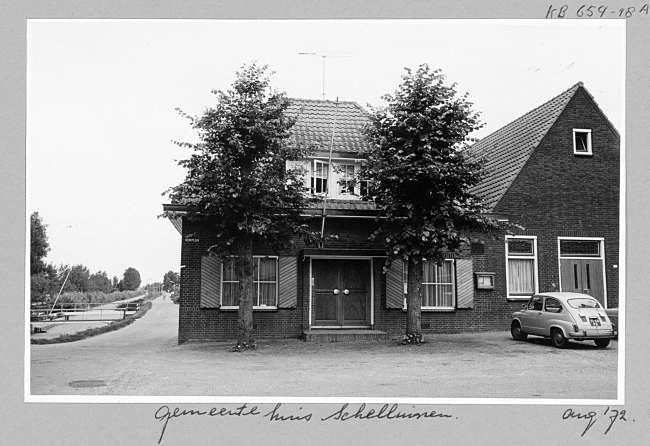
column 238, row 172
column 238, row 180
column 420, row 176
column 170, row 279
column 131, row 280
column 39, row 244
column 99, row 282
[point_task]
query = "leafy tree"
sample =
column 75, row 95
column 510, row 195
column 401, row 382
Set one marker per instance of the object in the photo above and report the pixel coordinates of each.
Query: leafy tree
column 237, row 179
column 44, row 284
column 170, row 279
column 420, row 176
column 78, row 279
column 131, row 280
column 99, row 282
column 39, row 244
column 115, row 284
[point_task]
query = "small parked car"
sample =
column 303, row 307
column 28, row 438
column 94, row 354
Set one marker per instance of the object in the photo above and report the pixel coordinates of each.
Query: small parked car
column 562, row 316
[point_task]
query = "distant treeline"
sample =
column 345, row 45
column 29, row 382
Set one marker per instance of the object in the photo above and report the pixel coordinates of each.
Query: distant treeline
column 97, row 297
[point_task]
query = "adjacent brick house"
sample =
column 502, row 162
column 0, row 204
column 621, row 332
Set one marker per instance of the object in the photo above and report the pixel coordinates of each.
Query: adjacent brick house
column 554, row 172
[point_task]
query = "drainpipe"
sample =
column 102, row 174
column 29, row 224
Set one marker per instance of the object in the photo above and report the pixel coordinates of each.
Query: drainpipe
column 329, row 171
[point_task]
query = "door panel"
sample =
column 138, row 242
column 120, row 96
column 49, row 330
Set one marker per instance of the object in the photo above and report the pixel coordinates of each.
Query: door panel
column 530, row 317
column 326, row 281
column 341, row 292
column 583, row 276
column 570, row 279
column 593, row 279
column 326, row 308
column 355, row 288
column 355, row 308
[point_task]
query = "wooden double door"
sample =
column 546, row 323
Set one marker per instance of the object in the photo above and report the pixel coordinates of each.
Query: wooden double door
column 341, row 292
column 583, row 276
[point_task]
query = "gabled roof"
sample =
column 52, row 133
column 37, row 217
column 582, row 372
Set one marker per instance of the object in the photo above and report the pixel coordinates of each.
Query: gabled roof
column 318, row 118
column 508, row 149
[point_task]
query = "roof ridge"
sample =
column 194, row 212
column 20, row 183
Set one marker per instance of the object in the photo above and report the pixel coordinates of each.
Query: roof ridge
column 328, row 101
column 516, row 141
column 520, row 118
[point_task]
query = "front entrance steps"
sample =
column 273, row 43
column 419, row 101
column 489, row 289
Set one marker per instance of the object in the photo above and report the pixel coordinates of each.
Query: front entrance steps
column 340, row 335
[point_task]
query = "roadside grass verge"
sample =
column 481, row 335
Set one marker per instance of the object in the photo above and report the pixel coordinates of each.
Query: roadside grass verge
column 146, row 306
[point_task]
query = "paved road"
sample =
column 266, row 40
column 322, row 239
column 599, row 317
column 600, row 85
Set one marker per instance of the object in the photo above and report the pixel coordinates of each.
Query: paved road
column 144, row 359
column 82, row 320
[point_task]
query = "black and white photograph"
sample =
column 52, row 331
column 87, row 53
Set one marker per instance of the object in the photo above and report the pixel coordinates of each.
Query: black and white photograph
column 362, row 227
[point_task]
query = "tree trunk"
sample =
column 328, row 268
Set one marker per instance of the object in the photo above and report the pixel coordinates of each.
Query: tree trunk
column 414, row 302
column 244, row 267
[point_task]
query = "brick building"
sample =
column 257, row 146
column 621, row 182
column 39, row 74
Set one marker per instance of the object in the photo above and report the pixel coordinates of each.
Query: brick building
column 554, row 172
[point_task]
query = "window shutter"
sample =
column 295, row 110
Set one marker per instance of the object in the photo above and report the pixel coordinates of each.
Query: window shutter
column 288, row 286
column 465, row 283
column 395, row 285
column 210, row 282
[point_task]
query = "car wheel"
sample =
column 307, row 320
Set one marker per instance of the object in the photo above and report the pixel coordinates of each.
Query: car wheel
column 517, row 332
column 601, row 343
column 558, row 339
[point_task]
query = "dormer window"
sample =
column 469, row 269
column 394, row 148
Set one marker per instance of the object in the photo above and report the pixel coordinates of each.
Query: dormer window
column 582, row 142
column 336, row 179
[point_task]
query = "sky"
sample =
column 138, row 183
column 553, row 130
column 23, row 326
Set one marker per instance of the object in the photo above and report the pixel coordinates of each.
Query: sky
column 102, row 100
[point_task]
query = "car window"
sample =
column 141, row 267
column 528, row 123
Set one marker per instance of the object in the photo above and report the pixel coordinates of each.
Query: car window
column 535, row 303
column 585, row 302
column 552, row 305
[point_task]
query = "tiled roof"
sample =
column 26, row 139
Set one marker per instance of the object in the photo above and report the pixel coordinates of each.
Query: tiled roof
column 318, row 118
column 509, row 148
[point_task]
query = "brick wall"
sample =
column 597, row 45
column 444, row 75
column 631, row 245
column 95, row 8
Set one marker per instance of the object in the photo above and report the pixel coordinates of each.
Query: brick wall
column 491, row 310
column 197, row 323
column 556, row 194
column 562, row 194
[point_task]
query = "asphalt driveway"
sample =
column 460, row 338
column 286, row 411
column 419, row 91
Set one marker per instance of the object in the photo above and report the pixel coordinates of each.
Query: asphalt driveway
column 144, row 359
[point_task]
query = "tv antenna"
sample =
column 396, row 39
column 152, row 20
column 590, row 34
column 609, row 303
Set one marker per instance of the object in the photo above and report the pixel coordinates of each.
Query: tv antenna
column 324, row 56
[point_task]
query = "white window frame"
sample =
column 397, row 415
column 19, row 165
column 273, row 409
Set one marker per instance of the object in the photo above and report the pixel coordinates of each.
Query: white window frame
column 256, row 286
column 453, row 287
column 599, row 240
column 333, row 177
column 601, row 257
column 576, row 149
column 328, row 175
column 341, row 188
column 523, row 297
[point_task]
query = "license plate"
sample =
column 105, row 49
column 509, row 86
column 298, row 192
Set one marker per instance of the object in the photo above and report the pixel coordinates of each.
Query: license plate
column 594, row 322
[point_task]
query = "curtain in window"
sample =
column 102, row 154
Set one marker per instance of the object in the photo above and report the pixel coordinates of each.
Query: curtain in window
column 521, row 276
column 267, row 273
column 230, row 296
column 265, row 279
column 438, row 285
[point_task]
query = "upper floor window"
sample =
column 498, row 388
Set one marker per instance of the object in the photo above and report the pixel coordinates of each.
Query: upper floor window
column 320, row 175
column 582, row 142
column 346, row 177
column 336, row 178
